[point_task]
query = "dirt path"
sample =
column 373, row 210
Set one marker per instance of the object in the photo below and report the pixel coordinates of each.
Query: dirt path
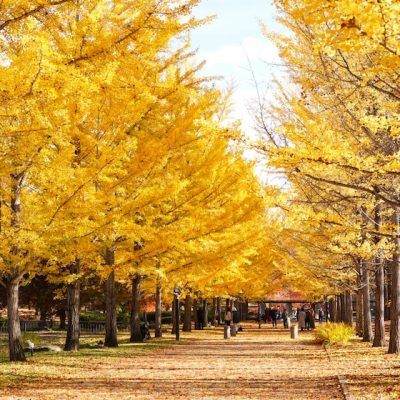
column 256, row 364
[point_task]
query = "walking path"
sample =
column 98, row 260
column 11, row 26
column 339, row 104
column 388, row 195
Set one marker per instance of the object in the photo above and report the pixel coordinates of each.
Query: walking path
column 255, row 364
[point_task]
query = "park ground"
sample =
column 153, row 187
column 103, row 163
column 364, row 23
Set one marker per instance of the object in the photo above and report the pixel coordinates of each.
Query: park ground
column 256, row 364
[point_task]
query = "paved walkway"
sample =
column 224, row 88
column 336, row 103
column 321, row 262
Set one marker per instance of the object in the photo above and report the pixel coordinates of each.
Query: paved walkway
column 257, row 364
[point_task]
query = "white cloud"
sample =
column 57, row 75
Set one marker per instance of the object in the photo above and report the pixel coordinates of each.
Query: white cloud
column 237, row 54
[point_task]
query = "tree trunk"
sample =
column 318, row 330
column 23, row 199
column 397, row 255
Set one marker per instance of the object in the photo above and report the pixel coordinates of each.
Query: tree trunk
column 195, row 318
column 359, row 302
column 158, row 314
column 236, row 305
column 388, row 268
column 219, row 312
column 394, row 341
column 214, row 312
column 43, row 313
column 136, row 334
column 16, row 350
column 387, row 276
column 379, row 336
column 187, row 320
column 326, row 306
column 73, row 300
column 173, row 330
column 365, row 287
column 111, row 339
column 359, row 313
column 349, row 307
column 63, row 316
column 343, row 309
column 338, row 309
column 205, row 313
column 366, row 304
column 332, row 309
column 177, row 318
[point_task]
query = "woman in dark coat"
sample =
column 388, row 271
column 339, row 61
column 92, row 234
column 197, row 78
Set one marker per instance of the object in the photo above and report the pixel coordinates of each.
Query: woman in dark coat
column 308, row 319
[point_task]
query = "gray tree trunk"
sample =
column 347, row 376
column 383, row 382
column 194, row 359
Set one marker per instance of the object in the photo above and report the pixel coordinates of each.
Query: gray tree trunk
column 187, row 320
column 205, row 313
column 195, row 317
column 219, row 312
column 111, row 338
column 63, row 316
column 175, row 323
column 338, row 309
column 246, row 311
column 158, row 314
column 359, row 308
column 214, row 312
column 332, row 310
column 379, row 335
column 386, row 267
column 349, row 307
column 365, row 286
column 136, row 334
column 366, row 304
column 388, row 289
column 73, row 307
column 16, row 351
column 343, row 308
column 394, row 340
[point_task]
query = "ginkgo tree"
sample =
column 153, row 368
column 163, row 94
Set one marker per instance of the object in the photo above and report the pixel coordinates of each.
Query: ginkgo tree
column 335, row 139
column 59, row 64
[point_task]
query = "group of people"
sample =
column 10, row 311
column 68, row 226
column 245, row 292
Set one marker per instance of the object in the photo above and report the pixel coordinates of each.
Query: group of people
column 306, row 318
column 274, row 314
column 304, row 315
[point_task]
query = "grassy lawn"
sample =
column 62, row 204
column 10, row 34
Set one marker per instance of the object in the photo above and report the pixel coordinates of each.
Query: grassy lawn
column 44, row 366
column 257, row 364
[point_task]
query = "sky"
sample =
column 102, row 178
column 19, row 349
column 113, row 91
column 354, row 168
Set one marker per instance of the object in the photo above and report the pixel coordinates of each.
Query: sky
column 230, row 41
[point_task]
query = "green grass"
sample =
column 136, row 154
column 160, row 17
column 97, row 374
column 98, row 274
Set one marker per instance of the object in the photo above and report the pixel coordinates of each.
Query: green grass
column 53, row 365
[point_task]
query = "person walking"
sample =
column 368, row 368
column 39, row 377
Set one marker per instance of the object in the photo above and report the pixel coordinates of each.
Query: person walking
column 227, row 320
column 321, row 315
column 302, row 319
column 274, row 316
column 308, row 319
column 228, row 316
column 266, row 314
column 285, row 318
column 200, row 317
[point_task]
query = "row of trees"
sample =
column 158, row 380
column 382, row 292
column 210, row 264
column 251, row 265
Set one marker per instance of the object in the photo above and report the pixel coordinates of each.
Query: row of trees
column 333, row 134
column 116, row 164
